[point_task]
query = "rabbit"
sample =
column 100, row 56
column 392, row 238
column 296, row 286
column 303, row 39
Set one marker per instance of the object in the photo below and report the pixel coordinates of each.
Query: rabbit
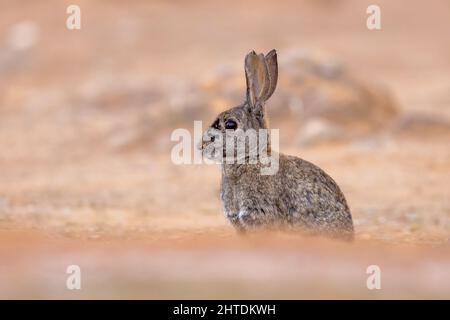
column 299, row 195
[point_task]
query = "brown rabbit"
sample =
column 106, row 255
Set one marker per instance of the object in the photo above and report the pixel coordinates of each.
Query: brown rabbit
column 299, row 195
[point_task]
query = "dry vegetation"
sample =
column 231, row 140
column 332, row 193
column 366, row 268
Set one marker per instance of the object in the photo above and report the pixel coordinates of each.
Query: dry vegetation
column 85, row 121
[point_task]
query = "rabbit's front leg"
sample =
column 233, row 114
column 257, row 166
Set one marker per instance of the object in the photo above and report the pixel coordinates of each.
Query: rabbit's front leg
column 237, row 224
column 250, row 219
column 243, row 221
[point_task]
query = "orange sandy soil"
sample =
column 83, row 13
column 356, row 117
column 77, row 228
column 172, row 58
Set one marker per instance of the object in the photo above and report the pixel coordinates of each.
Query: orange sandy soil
column 132, row 240
column 141, row 227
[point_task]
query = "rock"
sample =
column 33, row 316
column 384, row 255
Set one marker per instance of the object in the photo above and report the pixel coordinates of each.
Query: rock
column 422, row 126
column 312, row 86
column 316, row 131
column 329, row 91
column 22, row 36
column 15, row 53
column 3, row 204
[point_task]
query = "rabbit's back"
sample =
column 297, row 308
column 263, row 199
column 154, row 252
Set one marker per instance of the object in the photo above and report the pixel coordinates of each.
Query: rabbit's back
column 300, row 195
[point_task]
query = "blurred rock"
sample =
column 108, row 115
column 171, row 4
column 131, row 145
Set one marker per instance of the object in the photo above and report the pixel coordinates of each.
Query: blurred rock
column 22, row 36
column 317, row 100
column 3, row 204
column 312, row 86
column 15, row 53
column 329, row 91
column 316, row 131
column 419, row 125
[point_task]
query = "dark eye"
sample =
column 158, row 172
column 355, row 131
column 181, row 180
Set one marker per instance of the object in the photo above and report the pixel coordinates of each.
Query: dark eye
column 230, row 124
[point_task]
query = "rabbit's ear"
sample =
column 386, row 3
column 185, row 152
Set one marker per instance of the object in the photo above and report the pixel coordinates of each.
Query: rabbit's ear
column 257, row 75
column 272, row 68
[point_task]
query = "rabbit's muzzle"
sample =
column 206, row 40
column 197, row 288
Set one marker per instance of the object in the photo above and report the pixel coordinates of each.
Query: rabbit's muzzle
column 207, row 144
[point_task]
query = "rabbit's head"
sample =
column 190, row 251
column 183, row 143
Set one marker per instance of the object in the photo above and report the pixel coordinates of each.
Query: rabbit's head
column 261, row 72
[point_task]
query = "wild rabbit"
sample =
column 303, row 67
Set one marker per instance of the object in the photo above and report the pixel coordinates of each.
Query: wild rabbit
column 299, row 195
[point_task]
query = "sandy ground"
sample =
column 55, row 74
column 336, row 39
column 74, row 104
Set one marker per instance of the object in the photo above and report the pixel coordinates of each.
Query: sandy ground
column 87, row 179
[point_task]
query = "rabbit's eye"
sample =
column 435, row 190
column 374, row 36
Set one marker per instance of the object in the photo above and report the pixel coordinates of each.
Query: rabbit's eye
column 230, row 124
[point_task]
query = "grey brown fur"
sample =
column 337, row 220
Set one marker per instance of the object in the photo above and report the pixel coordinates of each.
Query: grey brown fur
column 300, row 194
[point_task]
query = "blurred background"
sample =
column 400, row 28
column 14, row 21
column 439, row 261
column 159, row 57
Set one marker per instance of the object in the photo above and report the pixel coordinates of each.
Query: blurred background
column 86, row 176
